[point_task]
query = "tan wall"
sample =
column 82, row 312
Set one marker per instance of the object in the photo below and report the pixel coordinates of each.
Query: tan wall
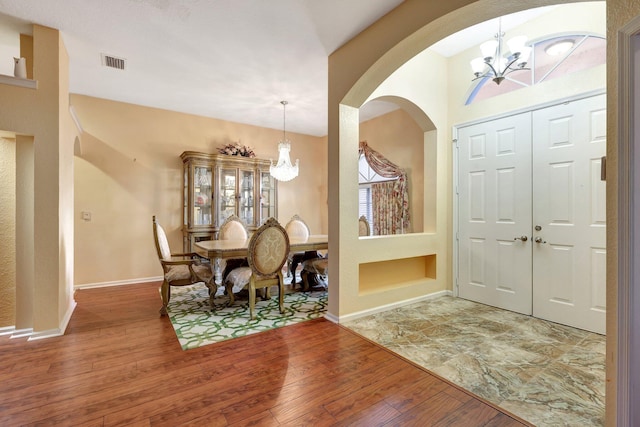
column 7, row 232
column 38, row 112
column 130, row 169
column 399, row 138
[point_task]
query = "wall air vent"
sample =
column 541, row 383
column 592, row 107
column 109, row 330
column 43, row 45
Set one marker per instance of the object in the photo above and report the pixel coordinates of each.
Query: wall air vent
column 113, row 62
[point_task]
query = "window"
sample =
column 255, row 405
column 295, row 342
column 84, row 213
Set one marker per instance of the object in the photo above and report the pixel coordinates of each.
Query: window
column 366, row 176
column 364, row 202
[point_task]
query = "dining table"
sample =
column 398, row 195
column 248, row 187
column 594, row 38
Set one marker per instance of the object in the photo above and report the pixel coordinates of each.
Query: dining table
column 215, row 250
column 224, row 249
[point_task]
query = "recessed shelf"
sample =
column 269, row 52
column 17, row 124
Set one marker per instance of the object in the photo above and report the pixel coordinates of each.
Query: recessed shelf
column 395, row 273
column 16, row 81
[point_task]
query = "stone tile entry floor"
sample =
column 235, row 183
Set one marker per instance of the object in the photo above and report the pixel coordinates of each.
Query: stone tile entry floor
column 546, row 373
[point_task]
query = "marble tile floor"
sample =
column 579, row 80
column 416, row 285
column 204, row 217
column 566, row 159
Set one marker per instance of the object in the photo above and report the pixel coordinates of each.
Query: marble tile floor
column 546, row 373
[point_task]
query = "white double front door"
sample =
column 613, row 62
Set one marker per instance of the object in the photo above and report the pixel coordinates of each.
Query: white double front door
column 531, row 213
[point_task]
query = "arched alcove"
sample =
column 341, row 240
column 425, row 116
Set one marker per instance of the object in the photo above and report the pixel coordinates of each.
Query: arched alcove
column 382, row 61
column 404, row 134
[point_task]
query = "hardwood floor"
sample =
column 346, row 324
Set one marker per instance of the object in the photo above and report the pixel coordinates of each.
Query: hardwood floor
column 119, row 363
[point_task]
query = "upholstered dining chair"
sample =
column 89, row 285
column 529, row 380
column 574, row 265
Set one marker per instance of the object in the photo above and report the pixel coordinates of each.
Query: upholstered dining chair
column 268, row 251
column 233, row 228
column 297, row 228
column 363, row 226
column 314, row 274
column 180, row 269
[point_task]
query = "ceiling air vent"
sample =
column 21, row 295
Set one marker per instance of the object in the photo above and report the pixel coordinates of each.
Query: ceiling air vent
column 113, row 62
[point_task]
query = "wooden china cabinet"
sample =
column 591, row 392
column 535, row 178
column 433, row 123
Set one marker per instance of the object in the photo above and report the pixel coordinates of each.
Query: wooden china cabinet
column 217, row 186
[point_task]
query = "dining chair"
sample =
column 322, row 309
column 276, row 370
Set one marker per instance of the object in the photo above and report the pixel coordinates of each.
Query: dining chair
column 314, row 274
column 268, row 251
column 297, row 228
column 363, row 226
column 233, row 228
column 180, row 269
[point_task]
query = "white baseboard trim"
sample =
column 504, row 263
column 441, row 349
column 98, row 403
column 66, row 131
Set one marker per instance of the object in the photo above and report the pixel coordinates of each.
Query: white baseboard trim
column 49, row 333
column 7, row 330
column 22, row 333
column 57, row 331
column 118, row 282
column 331, row 318
column 387, row 307
column 28, row 332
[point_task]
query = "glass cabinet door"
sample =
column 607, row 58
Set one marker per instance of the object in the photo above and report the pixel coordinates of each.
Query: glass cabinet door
column 185, row 198
column 247, row 195
column 202, row 179
column 228, row 195
column 267, row 196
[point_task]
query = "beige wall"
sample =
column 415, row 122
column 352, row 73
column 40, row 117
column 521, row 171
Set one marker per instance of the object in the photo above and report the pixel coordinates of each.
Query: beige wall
column 7, row 232
column 130, row 169
column 399, row 138
column 40, row 112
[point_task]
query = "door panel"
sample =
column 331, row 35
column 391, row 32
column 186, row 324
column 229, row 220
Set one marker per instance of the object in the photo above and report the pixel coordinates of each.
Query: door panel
column 494, row 186
column 569, row 206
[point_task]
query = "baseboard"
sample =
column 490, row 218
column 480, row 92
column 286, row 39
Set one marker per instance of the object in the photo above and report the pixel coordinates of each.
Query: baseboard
column 56, row 332
column 22, row 333
column 331, row 318
column 387, row 307
column 7, row 330
column 118, row 282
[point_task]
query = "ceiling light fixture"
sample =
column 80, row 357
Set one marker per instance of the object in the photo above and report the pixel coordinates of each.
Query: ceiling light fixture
column 493, row 64
column 284, row 170
column 559, row 47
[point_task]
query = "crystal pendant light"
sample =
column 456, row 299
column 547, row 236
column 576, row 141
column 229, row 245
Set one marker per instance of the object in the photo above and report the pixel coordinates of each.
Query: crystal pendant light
column 284, row 170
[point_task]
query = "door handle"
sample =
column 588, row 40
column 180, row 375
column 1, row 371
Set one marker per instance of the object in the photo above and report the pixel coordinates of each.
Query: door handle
column 523, row 238
column 539, row 240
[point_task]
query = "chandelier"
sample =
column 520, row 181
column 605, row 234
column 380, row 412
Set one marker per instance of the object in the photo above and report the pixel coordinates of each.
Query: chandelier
column 284, row 170
column 495, row 63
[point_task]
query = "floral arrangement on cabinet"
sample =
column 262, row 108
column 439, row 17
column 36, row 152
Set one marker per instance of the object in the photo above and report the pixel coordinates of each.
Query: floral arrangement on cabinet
column 235, row 149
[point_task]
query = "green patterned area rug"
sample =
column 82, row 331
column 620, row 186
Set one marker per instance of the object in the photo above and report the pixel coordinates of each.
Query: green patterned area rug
column 197, row 324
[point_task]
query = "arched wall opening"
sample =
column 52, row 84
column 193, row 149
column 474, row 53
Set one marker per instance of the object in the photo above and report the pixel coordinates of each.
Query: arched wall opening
column 405, row 136
column 401, row 38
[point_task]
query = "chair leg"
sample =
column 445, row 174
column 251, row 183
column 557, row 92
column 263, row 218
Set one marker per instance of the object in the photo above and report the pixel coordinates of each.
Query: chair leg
column 281, row 293
column 164, row 294
column 252, row 298
column 304, row 280
column 229, row 289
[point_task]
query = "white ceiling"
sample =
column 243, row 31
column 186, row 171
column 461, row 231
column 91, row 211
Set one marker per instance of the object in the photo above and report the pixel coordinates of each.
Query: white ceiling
column 229, row 59
column 233, row 60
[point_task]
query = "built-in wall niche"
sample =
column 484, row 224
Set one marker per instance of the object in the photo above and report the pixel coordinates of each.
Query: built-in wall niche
column 396, row 273
column 402, row 133
column 16, row 41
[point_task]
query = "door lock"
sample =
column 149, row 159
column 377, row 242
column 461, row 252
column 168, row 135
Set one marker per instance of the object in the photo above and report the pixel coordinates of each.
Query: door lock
column 539, row 240
column 523, row 238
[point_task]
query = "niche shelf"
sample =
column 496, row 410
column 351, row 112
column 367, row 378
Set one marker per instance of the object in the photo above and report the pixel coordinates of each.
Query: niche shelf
column 16, row 81
column 396, row 273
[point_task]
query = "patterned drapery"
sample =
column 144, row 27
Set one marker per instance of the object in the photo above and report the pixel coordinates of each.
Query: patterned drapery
column 390, row 199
